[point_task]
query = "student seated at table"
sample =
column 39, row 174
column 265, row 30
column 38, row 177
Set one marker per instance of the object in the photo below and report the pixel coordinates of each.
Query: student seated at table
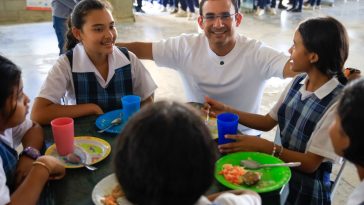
column 320, row 49
column 21, row 178
column 165, row 155
column 347, row 133
column 93, row 74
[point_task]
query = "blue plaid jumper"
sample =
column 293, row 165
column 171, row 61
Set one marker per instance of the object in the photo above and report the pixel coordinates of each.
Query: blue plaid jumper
column 9, row 157
column 297, row 119
column 88, row 90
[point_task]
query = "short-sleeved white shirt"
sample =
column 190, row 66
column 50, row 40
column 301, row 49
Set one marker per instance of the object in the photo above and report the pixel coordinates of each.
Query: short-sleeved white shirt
column 59, row 81
column 12, row 137
column 320, row 142
column 239, row 82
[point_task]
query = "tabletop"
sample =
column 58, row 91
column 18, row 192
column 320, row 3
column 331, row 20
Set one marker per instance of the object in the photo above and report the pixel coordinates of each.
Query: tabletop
column 76, row 187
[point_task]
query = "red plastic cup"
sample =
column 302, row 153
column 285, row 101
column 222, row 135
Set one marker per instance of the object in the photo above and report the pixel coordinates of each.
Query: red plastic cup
column 63, row 133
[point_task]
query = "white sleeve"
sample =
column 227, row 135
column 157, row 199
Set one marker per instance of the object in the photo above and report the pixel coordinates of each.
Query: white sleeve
column 232, row 199
column 143, row 83
column 58, row 81
column 19, row 131
column 270, row 61
column 274, row 111
column 320, row 140
column 170, row 52
column 4, row 190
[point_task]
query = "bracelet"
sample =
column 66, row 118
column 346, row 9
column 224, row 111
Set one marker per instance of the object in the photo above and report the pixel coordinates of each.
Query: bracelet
column 280, row 151
column 274, row 150
column 43, row 165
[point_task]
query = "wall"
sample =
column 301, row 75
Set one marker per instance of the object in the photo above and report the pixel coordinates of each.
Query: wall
column 13, row 11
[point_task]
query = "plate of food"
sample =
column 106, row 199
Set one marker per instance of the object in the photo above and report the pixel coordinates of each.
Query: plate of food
column 229, row 173
column 93, row 150
column 104, row 121
column 108, row 192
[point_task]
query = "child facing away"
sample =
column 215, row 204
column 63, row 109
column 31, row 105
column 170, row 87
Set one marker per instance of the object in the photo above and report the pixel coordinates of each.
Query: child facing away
column 319, row 51
column 165, row 155
column 93, row 74
column 347, row 135
column 23, row 177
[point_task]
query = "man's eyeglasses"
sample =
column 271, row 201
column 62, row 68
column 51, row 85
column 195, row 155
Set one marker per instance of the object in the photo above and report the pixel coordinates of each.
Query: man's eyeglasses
column 223, row 17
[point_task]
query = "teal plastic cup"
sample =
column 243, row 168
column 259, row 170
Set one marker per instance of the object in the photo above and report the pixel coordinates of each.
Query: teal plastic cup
column 227, row 123
column 131, row 105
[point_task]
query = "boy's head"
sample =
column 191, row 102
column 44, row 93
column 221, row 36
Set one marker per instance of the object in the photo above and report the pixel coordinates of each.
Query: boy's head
column 346, row 131
column 165, row 155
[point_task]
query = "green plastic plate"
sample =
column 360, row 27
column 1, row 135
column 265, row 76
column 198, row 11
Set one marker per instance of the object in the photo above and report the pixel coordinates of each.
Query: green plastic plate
column 272, row 178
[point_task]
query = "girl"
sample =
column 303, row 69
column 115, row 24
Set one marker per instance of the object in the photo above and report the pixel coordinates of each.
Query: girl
column 94, row 74
column 320, row 49
column 165, row 156
column 19, row 180
column 346, row 133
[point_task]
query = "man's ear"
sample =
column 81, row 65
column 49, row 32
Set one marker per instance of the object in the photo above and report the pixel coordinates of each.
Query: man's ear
column 238, row 19
column 76, row 33
column 200, row 22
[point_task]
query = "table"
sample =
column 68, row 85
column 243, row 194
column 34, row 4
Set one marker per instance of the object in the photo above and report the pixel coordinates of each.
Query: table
column 76, row 187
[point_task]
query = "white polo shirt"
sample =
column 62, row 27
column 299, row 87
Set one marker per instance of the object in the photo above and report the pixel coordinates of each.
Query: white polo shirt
column 236, row 79
column 59, row 81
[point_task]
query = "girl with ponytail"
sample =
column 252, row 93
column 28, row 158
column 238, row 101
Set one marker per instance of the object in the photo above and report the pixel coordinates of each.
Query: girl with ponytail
column 304, row 111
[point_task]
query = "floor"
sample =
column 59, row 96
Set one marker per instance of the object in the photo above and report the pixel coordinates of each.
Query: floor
column 34, row 48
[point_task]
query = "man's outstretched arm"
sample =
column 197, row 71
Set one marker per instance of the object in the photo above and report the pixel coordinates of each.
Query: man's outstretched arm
column 142, row 50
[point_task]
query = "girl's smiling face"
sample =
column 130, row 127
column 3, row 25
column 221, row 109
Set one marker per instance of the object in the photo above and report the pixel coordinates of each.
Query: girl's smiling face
column 98, row 33
column 301, row 58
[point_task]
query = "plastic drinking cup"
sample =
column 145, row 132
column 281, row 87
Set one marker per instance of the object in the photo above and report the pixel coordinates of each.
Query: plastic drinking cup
column 63, row 133
column 131, row 105
column 227, row 123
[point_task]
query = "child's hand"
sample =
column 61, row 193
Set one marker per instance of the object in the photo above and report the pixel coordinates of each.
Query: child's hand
column 243, row 143
column 56, row 168
column 215, row 107
column 97, row 109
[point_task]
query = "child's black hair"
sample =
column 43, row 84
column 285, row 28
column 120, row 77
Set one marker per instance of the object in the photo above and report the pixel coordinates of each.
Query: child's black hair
column 165, row 155
column 9, row 79
column 351, row 114
column 328, row 38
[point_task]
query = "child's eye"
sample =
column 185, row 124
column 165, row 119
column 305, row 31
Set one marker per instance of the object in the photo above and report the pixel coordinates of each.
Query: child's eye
column 112, row 27
column 98, row 29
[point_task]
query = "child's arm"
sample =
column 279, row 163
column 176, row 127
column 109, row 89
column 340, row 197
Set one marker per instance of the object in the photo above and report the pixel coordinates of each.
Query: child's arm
column 45, row 110
column 310, row 161
column 46, row 167
column 32, row 138
column 255, row 121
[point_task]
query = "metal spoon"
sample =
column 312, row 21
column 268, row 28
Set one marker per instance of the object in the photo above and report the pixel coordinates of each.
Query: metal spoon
column 75, row 159
column 251, row 164
column 113, row 123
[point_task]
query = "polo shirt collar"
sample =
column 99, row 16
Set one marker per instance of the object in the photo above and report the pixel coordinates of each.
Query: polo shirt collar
column 324, row 90
column 83, row 64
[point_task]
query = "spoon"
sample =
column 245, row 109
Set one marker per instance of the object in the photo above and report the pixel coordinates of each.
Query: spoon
column 78, row 157
column 113, row 123
column 251, row 164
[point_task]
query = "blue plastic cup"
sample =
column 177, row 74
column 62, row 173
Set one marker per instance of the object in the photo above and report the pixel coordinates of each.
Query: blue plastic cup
column 131, row 105
column 227, row 123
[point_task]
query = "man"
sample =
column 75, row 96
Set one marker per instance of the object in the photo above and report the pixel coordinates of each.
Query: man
column 219, row 63
column 61, row 10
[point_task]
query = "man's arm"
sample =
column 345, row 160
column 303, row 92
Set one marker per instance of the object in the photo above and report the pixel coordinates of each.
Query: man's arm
column 287, row 71
column 142, row 50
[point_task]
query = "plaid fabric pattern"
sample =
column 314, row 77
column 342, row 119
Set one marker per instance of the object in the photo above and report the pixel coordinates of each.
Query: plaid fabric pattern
column 10, row 159
column 297, row 119
column 88, row 90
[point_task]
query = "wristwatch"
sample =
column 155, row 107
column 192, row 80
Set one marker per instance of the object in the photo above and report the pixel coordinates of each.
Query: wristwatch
column 30, row 152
